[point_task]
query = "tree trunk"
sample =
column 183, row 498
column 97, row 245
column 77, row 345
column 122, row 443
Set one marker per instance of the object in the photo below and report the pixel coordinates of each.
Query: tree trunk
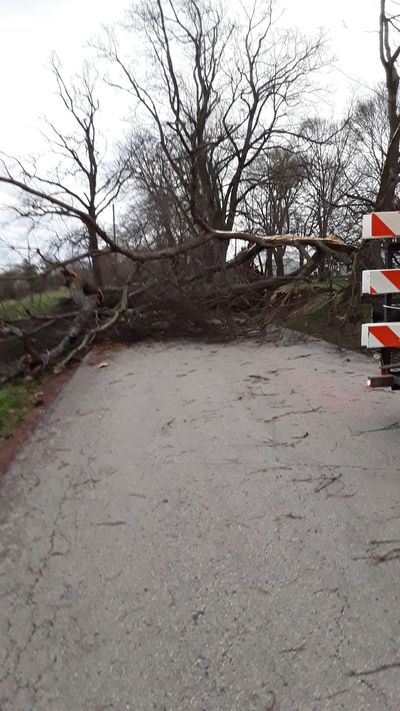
column 322, row 271
column 269, row 269
column 279, row 254
column 370, row 253
column 96, row 261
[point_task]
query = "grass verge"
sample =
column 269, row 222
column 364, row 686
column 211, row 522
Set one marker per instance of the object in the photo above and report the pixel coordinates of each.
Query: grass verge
column 324, row 317
column 16, row 402
column 34, row 304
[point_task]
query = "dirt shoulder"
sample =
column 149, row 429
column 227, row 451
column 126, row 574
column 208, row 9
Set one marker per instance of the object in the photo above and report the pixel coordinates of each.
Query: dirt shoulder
column 41, row 397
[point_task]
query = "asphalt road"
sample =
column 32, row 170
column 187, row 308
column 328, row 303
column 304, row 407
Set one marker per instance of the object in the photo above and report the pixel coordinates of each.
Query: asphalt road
column 206, row 527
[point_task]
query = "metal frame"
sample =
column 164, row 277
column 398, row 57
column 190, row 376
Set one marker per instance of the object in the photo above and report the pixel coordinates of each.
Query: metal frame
column 390, row 367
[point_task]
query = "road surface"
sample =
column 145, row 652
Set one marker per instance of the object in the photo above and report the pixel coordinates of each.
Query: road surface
column 208, row 527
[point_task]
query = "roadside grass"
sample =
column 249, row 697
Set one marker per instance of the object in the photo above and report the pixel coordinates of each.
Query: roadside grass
column 16, row 401
column 335, row 285
column 35, row 305
column 322, row 316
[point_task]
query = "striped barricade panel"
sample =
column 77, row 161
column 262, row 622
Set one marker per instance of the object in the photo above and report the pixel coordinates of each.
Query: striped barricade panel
column 381, row 225
column 381, row 281
column 380, row 335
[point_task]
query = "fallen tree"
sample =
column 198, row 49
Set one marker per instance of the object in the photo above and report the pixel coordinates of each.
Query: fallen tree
column 169, row 301
column 172, row 291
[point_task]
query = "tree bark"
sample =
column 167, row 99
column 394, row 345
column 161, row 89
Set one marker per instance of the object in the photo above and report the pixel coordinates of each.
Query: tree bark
column 96, row 259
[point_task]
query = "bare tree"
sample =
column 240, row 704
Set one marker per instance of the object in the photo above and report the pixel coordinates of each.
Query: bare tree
column 158, row 204
column 274, row 183
column 368, row 141
column 76, row 169
column 215, row 107
column 216, row 96
column 389, row 24
column 326, row 159
column 386, row 154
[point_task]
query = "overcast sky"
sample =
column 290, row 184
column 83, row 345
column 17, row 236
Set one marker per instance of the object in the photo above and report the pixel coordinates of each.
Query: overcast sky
column 31, row 29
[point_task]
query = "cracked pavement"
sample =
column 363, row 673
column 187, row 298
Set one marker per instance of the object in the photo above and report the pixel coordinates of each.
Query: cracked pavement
column 206, row 527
